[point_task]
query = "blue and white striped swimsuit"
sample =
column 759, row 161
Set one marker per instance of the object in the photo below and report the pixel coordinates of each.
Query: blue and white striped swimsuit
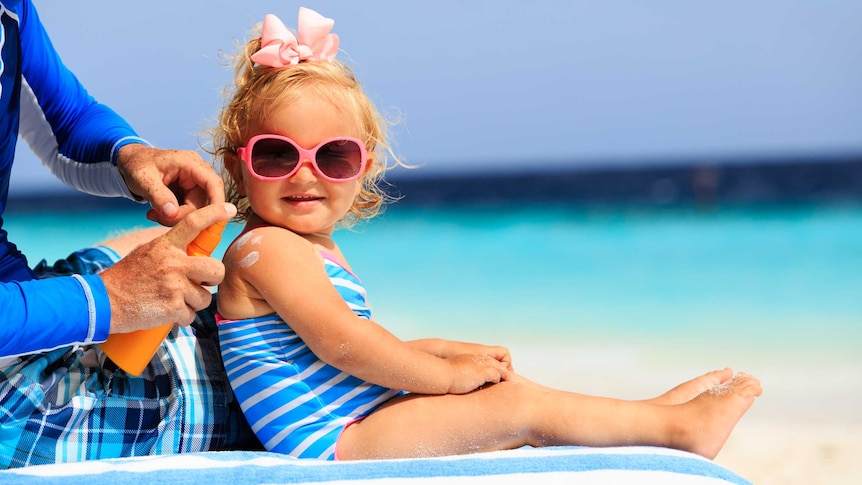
column 295, row 403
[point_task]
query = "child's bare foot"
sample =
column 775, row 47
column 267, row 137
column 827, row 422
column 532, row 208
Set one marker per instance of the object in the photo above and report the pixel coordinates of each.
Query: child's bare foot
column 705, row 422
column 690, row 389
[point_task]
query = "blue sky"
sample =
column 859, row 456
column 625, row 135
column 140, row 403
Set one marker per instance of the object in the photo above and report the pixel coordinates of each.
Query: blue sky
column 505, row 84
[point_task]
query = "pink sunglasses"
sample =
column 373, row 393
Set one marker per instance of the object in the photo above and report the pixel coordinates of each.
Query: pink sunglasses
column 275, row 157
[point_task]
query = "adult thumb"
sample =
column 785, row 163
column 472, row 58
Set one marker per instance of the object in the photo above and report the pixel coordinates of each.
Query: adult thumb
column 182, row 234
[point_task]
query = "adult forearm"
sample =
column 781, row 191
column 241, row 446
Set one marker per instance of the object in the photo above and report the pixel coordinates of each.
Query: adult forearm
column 74, row 135
column 46, row 314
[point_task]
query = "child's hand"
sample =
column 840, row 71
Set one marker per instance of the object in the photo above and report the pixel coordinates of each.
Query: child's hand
column 471, row 371
column 501, row 354
column 452, row 348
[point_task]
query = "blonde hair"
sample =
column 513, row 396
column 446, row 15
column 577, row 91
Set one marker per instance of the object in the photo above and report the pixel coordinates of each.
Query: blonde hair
column 256, row 89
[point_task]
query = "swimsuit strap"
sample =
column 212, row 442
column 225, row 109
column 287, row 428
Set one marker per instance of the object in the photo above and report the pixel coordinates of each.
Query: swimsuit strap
column 334, row 260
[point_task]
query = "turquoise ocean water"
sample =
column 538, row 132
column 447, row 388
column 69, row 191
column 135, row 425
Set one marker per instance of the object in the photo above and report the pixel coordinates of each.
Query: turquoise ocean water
column 771, row 284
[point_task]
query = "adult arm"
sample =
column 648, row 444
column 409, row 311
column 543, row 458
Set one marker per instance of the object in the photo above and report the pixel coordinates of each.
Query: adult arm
column 77, row 138
column 91, row 148
column 82, row 141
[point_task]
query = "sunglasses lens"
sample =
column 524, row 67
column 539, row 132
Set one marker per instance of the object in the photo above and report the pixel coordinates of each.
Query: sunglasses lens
column 273, row 158
column 340, row 159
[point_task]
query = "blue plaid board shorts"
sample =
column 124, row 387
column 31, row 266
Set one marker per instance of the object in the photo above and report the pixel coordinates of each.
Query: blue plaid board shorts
column 73, row 404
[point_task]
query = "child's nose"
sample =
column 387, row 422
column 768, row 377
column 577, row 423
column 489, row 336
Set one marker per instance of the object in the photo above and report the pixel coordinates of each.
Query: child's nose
column 306, row 171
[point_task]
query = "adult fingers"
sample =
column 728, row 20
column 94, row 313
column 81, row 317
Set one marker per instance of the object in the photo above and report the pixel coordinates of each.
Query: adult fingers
column 196, row 299
column 206, row 271
column 166, row 207
column 174, row 182
column 193, row 185
column 204, row 177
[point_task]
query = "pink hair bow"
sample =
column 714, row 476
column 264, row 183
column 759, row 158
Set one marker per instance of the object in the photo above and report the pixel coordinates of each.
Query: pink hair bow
column 280, row 48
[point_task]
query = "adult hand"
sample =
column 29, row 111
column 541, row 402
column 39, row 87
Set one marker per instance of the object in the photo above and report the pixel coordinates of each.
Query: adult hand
column 156, row 283
column 174, row 182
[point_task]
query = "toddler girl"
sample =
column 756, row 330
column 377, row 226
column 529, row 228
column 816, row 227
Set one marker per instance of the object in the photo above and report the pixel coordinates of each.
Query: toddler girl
column 303, row 150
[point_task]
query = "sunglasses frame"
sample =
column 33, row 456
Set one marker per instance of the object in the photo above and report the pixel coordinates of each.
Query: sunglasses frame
column 245, row 154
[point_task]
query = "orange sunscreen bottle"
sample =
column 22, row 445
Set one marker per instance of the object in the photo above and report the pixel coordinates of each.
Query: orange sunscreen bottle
column 133, row 351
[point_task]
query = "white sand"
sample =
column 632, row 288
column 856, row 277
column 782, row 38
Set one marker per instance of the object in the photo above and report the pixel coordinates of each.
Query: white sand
column 785, row 452
column 806, row 428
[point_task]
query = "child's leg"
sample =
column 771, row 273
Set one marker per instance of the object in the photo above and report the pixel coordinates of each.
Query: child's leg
column 513, row 414
column 690, row 389
column 686, row 391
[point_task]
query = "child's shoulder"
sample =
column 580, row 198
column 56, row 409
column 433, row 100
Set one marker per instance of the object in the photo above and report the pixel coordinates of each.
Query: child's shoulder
column 266, row 238
column 270, row 231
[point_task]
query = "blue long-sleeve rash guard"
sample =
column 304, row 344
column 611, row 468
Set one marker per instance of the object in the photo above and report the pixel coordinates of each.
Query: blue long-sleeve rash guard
column 78, row 139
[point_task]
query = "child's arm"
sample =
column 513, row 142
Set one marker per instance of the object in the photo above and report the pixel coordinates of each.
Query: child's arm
column 286, row 275
column 449, row 348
